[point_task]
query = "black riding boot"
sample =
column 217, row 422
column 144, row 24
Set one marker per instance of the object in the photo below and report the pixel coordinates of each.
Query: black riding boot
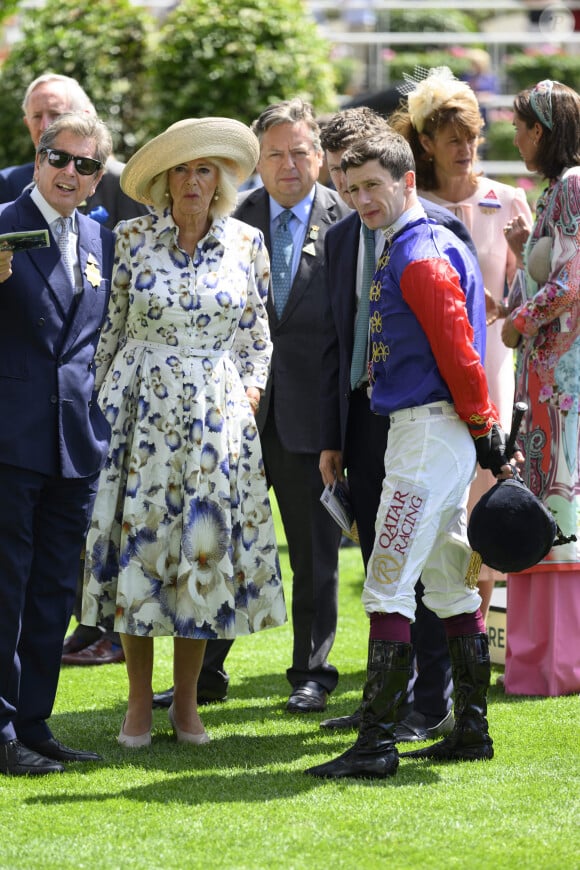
column 374, row 754
column 471, row 669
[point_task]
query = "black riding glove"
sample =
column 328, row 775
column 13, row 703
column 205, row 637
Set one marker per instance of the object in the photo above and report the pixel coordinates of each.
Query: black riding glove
column 491, row 449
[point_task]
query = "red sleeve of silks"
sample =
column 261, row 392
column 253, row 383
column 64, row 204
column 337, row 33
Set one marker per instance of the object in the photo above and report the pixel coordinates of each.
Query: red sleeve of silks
column 432, row 290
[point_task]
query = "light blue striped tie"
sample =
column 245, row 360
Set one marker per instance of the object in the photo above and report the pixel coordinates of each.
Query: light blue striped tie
column 282, row 250
column 361, row 331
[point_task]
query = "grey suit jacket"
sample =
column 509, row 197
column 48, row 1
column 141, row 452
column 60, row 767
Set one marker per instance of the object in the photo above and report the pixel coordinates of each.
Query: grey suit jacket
column 300, row 334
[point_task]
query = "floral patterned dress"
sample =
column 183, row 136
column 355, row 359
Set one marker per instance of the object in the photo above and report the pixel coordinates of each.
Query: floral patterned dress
column 182, row 539
column 543, row 610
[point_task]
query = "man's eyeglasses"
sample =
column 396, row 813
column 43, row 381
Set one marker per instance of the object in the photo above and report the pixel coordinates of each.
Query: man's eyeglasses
column 60, row 159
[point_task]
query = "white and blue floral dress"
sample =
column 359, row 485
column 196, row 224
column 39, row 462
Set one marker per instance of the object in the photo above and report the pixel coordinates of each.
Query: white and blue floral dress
column 182, row 540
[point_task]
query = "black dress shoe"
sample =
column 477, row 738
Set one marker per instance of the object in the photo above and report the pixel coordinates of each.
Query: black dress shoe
column 204, row 697
column 351, row 722
column 18, row 760
column 57, row 751
column 307, row 697
column 413, row 728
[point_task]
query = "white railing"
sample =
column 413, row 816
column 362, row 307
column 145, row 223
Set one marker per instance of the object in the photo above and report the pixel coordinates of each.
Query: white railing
column 495, row 43
column 499, row 168
column 502, row 6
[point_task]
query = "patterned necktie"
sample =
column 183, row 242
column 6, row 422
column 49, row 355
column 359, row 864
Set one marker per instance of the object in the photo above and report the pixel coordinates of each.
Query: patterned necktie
column 282, row 250
column 63, row 229
column 361, row 332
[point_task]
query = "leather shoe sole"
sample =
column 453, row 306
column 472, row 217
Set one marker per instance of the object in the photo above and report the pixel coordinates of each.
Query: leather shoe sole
column 102, row 652
column 307, row 697
column 16, row 759
column 57, row 751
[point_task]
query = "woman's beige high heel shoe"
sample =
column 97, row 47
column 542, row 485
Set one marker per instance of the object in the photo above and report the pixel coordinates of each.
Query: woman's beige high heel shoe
column 186, row 736
column 133, row 741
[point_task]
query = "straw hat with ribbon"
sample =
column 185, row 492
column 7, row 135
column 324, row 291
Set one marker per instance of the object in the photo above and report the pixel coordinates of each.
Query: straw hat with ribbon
column 186, row 140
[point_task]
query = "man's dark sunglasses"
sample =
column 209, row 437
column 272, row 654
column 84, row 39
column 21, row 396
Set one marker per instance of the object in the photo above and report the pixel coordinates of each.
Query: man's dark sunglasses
column 60, row 159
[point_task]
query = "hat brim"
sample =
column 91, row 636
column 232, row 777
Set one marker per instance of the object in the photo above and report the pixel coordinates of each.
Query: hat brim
column 191, row 139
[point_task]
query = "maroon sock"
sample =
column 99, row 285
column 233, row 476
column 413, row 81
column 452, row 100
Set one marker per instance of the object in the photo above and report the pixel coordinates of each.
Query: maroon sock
column 464, row 623
column 390, row 626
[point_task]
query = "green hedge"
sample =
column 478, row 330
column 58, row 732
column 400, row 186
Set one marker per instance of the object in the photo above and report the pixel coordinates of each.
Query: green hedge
column 221, row 57
column 499, row 140
column 525, row 70
column 103, row 45
column 207, row 57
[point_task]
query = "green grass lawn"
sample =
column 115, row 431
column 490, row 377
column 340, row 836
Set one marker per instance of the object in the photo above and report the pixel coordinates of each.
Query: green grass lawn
column 243, row 801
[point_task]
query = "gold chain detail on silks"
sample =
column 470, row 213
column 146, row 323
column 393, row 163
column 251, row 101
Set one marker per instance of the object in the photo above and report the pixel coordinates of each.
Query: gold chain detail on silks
column 473, row 569
column 380, row 352
column 376, row 323
column 384, row 260
column 478, row 420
